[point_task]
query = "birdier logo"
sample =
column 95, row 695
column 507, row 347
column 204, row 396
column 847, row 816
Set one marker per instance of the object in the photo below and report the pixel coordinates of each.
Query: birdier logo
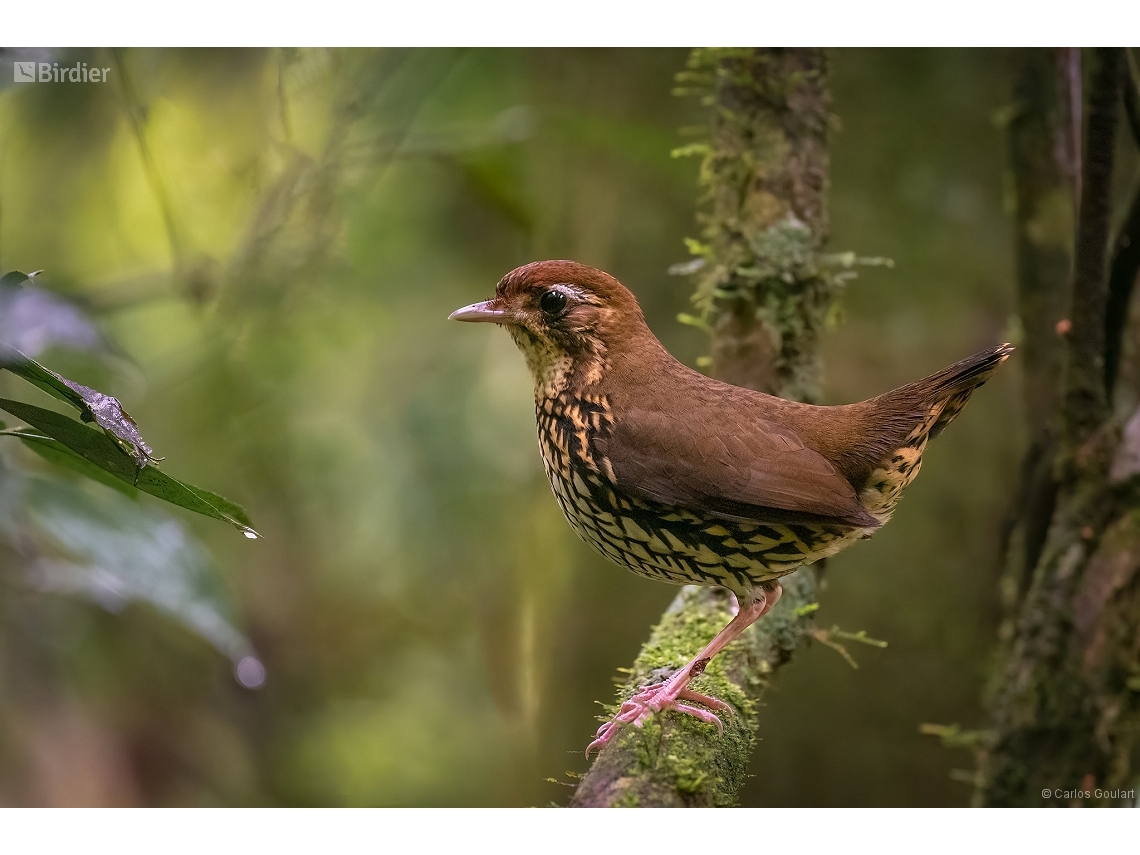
column 50, row 72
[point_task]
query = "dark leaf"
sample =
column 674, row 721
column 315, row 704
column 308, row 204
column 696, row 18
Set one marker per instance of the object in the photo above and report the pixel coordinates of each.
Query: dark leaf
column 24, row 366
column 13, row 278
column 224, row 505
column 59, row 454
column 104, row 410
column 99, row 449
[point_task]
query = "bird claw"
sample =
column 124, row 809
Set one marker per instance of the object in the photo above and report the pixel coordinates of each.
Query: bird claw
column 654, row 699
column 707, row 700
column 704, row 715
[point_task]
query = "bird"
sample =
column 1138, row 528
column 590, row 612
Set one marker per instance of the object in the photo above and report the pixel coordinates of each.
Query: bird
column 683, row 478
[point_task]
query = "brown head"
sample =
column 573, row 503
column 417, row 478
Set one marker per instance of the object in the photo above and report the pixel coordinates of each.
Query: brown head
column 565, row 317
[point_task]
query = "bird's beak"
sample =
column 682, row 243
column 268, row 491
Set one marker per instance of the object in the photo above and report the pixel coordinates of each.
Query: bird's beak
column 480, row 313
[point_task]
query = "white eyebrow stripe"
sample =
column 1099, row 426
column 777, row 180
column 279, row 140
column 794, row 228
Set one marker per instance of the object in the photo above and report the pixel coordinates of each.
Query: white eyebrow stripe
column 575, row 292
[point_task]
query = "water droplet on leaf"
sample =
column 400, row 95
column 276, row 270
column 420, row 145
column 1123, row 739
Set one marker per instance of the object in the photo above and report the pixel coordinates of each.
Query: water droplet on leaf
column 250, row 672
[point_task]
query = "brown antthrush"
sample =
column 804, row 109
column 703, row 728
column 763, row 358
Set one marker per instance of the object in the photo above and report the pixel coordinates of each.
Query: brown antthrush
column 686, row 479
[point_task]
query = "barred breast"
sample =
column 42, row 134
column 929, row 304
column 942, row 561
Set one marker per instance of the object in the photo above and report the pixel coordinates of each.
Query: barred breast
column 671, row 544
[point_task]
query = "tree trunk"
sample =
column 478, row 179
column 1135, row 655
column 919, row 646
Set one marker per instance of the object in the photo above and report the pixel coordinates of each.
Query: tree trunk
column 1065, row 705
column 765, row 294
column 1043, row 182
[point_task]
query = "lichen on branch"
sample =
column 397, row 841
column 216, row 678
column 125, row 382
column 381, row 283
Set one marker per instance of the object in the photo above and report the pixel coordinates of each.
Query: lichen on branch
column 763, row 286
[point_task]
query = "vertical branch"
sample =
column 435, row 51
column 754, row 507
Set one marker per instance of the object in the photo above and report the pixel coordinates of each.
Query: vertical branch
column 285, row 57
column 1069, row 84
column 1044, row 224
column 1085, row 402
column 1043, row 235
column 1130, row 80
column 1121, row 281
column 1126, row 245
column 764, row 177
column 1063, row 705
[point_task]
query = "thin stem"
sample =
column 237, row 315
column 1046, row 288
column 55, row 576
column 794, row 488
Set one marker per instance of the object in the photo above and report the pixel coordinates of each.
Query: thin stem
column 1131, row 84
column 1121, row 282
column 154, row 178
column 1069, row 84
column 24, row 433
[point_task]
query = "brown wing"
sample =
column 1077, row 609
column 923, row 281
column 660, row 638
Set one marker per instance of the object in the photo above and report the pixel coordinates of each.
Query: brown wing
column 738, row 476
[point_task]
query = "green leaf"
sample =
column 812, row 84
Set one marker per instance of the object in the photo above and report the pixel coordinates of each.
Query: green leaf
column 694, row 321
column 687, row 268
column 953, row 736
column 114, row 552
column 225, row 506
column 99, row 449
column 13, row 278
column 860, row 636
column 59, row 454
column 50, row 382
column 692, row 149
column 93, row 405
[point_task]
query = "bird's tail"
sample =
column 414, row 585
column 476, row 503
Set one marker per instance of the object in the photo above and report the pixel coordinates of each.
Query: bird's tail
column 949, row 389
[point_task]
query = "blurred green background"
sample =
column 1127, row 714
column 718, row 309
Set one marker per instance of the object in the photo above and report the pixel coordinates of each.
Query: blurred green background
column 271, row 242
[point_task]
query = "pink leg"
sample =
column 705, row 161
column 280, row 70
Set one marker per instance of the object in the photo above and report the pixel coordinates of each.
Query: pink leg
column 665, row 696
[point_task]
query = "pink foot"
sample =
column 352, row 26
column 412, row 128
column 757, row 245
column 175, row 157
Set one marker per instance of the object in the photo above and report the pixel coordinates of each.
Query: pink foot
column 658, row 698
column 668, row 695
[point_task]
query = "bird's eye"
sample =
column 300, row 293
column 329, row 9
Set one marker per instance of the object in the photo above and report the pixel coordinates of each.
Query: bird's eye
column 552, row 303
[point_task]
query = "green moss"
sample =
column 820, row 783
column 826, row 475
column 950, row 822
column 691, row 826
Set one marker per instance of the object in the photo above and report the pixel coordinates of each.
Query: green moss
column 676, row 758
column 760, row 246
column 628, row 799
column 688, row 777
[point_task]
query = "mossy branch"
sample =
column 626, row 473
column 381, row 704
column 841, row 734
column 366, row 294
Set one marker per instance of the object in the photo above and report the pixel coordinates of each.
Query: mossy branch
column 761, row 282
column 765, row 292
column 676, row 760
